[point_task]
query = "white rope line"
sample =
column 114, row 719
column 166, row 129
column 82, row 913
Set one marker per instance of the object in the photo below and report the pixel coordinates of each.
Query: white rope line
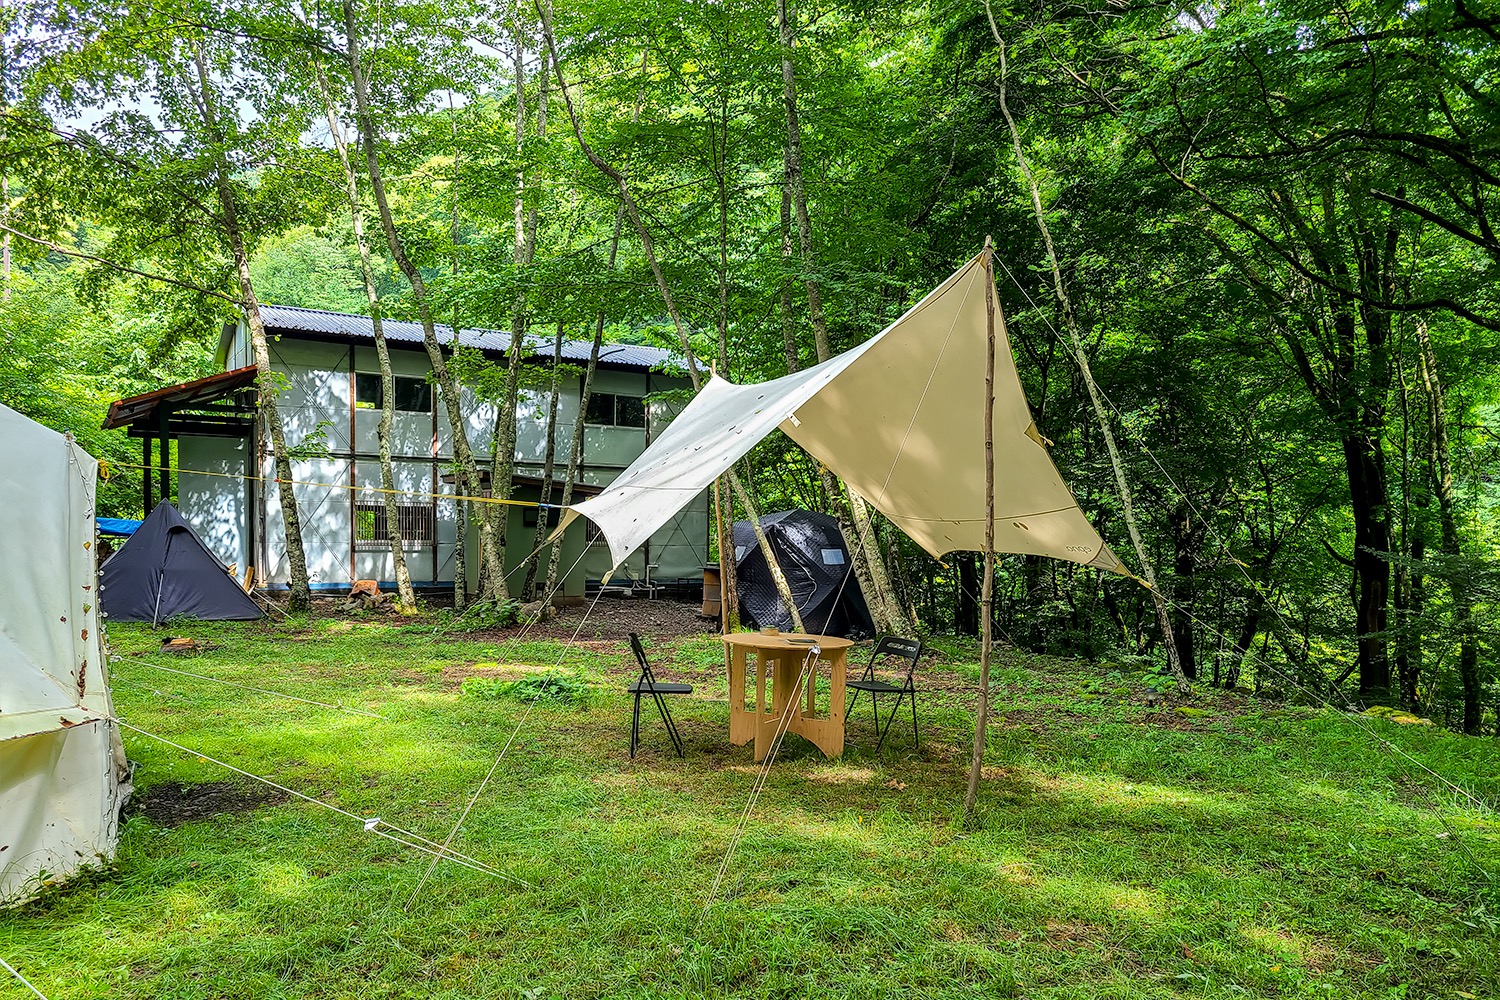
column 370, row 824
column 782, row 725
column 541, row 689
column 14, row 972
column 1141, row 444
column 246, row 687
column 1354, row 717
column 1357, row 720
column 1224, row 546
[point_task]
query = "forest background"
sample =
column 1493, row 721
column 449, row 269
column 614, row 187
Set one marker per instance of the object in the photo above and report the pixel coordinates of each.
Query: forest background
column 1266, row 230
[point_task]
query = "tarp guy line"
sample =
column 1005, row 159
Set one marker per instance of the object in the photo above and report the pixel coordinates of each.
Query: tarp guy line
column 370, row 825
column 333, row 486
column 12, row 970
column 760, row 779
column 1356, row 719
column 503, row 750
column 246, row 687
column 1141, row 444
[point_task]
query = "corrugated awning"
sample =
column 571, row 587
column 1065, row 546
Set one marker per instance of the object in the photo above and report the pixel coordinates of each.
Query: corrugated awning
column 146, row 409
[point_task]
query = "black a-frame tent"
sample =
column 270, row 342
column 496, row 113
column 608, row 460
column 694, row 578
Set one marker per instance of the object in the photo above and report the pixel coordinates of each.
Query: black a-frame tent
column 810, row 549
column 165, row 570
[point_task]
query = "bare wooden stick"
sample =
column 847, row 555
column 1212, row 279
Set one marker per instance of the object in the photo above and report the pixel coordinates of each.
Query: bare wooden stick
column 987, row 595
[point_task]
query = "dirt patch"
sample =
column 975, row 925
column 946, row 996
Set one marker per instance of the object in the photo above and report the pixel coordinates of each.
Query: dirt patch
column 614, row 618
column 1178, row 721
column 173, row 803
column 1071, row 935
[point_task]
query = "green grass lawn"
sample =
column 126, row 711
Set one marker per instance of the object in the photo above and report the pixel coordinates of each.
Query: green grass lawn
column 1122, row 849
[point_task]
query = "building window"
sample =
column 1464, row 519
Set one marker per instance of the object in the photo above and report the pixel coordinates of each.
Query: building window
column 610, row 410
column 413, row 395
column 592, row 534
column 529, row 516
column 415, row 520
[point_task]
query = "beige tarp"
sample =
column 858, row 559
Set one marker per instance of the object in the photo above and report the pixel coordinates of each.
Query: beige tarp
column 900, row 418
column 61, row 762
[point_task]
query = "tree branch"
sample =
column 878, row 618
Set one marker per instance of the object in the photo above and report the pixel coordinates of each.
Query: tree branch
column 80, row 255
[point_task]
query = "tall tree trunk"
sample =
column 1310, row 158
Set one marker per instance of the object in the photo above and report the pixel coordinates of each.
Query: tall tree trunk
column 548, row 464
column 575, row 453
column 853, row 516
column 1441, row 469
column 1186, row 544
column 503, row 463
column 468, row 471
column 1159, row 599
column 5, row 240
column 966, row 599
column 1364, row 465
column 729, row 584
column 632, row 211
column 406, row 596
column 788, row 326
column 462, row 509
column 1406, row 590
column 301, row 593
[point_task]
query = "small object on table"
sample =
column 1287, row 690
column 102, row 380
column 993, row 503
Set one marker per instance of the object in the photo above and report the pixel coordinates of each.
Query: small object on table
column 783, row 657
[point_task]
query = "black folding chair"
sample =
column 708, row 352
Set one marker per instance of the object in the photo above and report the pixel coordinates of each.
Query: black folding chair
column 901, row 650
column 648, row 685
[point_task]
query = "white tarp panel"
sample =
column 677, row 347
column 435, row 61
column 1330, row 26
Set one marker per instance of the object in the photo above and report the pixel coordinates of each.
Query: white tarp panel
column 900, row 418
column 61, row 762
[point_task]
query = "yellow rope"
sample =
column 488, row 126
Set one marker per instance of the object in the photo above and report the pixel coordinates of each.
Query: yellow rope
column 335, row 486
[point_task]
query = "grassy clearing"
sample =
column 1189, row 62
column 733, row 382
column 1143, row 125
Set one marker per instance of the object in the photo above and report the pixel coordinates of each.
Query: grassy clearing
column 1124, row 850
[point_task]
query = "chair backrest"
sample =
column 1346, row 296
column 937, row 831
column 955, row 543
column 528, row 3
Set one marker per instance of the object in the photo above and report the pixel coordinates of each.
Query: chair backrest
column 898, row 647
column 640, row 657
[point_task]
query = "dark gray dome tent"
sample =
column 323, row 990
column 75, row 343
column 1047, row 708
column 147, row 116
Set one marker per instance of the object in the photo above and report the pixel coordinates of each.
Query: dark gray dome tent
column 810, row 549
column 165, row 570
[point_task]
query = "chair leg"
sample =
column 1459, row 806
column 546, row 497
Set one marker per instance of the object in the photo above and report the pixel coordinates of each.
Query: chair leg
column 890, row 720
column 849, row 708
column 915, row 739
column 635, row 726
column 666, row 717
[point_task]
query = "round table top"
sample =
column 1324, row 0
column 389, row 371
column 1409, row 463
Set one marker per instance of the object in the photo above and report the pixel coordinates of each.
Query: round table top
column 786, row 640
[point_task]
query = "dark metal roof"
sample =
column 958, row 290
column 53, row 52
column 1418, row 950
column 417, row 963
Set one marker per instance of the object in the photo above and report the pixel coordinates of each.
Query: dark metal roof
column 349, row 326
column 146, row 408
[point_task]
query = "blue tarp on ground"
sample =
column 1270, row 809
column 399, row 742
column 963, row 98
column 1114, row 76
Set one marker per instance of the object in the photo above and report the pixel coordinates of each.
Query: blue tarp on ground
column 121, row 527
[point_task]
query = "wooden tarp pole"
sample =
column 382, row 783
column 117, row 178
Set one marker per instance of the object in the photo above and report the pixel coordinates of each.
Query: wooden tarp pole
column 719, row 537
column 986, row 599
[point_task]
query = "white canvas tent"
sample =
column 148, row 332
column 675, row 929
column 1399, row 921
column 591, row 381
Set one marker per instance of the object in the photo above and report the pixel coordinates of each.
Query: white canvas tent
column 61, row 761
column 900, row 418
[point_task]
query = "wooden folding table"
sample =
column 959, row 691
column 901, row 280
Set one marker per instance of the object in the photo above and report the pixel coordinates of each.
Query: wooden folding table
column 782, row 656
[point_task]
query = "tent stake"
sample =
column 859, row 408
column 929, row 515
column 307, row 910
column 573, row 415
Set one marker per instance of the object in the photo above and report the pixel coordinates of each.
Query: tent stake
column 987, row 593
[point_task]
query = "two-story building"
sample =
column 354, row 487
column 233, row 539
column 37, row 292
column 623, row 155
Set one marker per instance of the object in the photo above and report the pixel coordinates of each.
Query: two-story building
column 330, row 405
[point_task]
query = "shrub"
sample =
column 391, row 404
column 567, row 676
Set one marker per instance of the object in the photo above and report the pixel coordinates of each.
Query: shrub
column 480, row 616
column 562, row 688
